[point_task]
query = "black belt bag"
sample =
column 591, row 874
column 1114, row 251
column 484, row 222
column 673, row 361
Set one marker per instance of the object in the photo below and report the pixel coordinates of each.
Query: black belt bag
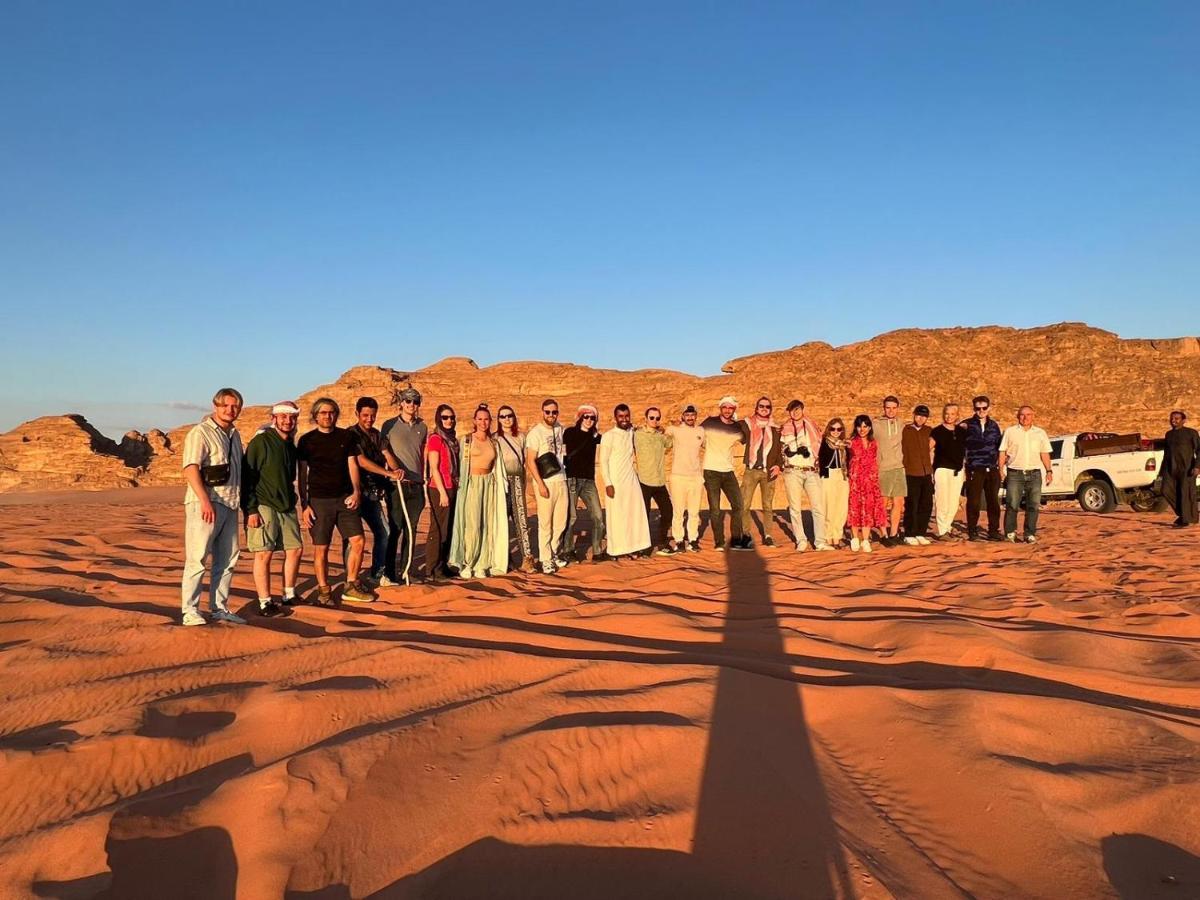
column 548, row 465
column 215, row 476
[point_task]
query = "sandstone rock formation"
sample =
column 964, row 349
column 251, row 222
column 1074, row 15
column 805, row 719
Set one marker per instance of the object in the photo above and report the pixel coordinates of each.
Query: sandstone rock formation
column 1078, row 378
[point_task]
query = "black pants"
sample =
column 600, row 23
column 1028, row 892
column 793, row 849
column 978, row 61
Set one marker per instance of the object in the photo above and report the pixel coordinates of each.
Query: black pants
column 441, row 529
column 1181, row 494
column 716, row 483
column 403, row 530
column 983, row 485
column 918, row 505
column 660, row 495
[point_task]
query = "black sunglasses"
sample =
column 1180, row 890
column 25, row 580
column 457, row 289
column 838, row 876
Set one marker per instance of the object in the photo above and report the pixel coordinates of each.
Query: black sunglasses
column 505, row 415
column 549, row 412
column 449, row 418
column 980, row 408
column 835, row 429
column 653, row 418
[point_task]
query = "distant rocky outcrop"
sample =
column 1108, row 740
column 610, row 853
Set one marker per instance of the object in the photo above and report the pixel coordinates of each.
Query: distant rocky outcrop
column 1078, row 378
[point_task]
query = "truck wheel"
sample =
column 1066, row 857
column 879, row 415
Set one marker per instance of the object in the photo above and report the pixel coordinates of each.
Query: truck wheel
column 1146, row 501
column 1097, row 497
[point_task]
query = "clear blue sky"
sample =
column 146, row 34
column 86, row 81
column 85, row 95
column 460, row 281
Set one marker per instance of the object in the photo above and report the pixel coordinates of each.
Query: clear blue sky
column 265, row 194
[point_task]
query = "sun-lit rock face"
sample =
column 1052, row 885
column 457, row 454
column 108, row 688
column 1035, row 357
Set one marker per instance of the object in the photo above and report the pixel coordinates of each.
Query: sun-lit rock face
column 1077, row 378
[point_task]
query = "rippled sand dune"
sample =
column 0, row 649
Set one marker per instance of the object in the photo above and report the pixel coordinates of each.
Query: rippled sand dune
column 989, row 721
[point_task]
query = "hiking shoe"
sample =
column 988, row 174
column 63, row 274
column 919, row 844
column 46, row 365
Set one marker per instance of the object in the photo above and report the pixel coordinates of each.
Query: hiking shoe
column 694, row 546
column 995, row 536
column 224, row 615
column 768, row 541
column 528, row 565
column 324, row 596
column 194, row 618
column 271, row 609
column 358, row 593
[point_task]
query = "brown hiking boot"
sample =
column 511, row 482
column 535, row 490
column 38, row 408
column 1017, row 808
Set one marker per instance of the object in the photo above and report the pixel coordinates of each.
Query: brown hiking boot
column 528, row 565
column 357, row 592
column 324, row 596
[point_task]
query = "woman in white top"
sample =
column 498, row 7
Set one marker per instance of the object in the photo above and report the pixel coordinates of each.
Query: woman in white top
column 512, row 449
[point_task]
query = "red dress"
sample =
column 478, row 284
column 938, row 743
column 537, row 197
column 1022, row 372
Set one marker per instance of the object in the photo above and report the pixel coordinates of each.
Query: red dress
column 866, row 501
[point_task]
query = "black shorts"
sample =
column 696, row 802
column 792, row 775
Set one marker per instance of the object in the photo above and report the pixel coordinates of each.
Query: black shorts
column 332, row 511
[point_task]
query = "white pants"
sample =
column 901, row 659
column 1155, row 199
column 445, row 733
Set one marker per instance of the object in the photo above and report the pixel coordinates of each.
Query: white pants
column 552, row 517
column 947, row 494
column 836, row 493
column 797, row 483
column 686, row 493
column 199, row 540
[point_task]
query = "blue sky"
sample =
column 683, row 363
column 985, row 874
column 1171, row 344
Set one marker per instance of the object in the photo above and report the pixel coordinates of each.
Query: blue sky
column 266, row 194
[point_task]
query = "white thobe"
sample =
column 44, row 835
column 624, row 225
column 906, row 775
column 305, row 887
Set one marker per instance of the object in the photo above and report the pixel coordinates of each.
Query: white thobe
column 627, row 527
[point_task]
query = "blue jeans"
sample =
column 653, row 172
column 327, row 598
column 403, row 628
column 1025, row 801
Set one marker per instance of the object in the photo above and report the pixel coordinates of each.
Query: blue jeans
column 1020, row 486
column 584, row 488
column 374, row 513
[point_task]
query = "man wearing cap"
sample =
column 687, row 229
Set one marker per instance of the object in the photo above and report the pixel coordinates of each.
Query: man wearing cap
column 722, row 434
column 651, row 443
column 212, row 468
column 918, row 475
column 269, row 505
column 580, row 441
column 893, row 483
column 405, row 435
column 687, row 479
column 801, row 439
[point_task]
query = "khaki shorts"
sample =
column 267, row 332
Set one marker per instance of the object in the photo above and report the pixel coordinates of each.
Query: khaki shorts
column 279, row 531
column 892, row 483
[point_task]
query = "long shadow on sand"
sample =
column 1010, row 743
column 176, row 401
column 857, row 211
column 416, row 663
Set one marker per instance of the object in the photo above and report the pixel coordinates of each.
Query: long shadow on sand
column 763, row 827
column 1141, row 867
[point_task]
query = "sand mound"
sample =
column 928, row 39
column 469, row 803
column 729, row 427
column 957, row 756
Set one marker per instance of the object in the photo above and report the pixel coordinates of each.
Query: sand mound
column 992, row 721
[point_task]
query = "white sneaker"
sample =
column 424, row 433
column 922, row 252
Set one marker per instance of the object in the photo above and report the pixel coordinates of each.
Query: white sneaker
column 224, row 615
column 802, row 548
column 194, row 618
column 549, row 568
column 855, row 544
column 384, row 581
column 923, row 541
column 912, row 542
column 866, row 546
column 1030, row 539
column 824, row 547
column 1011, row 537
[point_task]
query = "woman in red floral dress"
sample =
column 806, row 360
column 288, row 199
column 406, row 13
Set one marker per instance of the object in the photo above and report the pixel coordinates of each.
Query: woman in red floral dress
column 866, row 501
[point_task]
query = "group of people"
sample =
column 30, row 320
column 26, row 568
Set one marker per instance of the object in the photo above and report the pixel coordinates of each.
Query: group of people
column 885, row 478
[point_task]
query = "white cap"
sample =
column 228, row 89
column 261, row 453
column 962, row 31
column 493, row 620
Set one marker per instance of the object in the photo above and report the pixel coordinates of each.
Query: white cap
column 285, row 408
column 728, row 400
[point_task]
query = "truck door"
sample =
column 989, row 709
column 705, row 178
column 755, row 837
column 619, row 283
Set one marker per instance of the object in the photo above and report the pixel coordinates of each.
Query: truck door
column 1062, row 480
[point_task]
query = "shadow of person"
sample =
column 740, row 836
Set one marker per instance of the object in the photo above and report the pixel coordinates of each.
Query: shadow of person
column 197, row 864
column 763, row 828
column 1140, row 867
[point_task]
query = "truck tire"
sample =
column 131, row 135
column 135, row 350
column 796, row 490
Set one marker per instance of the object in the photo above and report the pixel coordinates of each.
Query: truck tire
column 1097, row 496
column 1146, row 501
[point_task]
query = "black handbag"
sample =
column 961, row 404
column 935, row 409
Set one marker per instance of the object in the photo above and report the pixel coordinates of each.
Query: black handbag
column 548, row 465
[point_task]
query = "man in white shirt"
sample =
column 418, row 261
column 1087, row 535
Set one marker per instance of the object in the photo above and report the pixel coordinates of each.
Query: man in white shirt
column 545, row 461
column 212, row 468
column 1024, row 456
column 627, row 528
column 687, row 479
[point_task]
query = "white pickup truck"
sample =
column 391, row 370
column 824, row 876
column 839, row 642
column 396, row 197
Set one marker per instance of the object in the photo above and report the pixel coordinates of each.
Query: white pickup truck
column 1102, row 469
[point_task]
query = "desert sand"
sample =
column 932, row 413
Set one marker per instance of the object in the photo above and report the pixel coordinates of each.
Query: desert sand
column 982, row 720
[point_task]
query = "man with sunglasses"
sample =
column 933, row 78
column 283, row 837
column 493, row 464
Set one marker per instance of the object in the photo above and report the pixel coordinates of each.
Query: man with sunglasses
column 651, row 443
column 763, row 457
column 544, row 460
column 580, row 442
column 982, row 445
column 406, row 435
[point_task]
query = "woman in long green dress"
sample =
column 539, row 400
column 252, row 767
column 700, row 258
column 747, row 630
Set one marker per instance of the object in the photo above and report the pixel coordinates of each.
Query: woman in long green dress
column 479, row 545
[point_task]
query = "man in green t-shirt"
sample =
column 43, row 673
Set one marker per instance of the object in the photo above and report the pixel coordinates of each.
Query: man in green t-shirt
column 269, row 503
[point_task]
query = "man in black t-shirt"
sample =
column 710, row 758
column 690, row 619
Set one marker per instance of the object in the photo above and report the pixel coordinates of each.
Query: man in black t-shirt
column 378, row 470
column 580, row 442
column 330, row 493
column 947, row 444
